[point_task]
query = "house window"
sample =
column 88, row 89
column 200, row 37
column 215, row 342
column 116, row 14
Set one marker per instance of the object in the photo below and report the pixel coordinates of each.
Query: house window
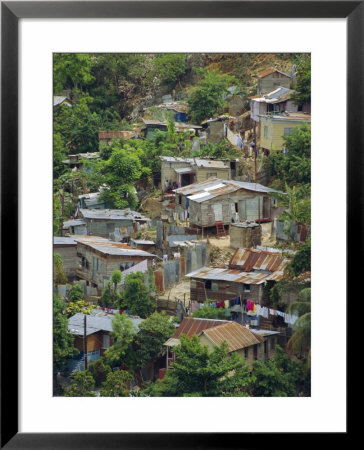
column 255, row 348
column 265, row 131
column 126, row 265
column 236, row 207
column 246, row 352
column 246, row 287
column 213, row 174
column 287, row 131
column 214, row 286
column 208, row 284
column 105, row 341
column 272, row 344
column 98, row 265
column 180, row 199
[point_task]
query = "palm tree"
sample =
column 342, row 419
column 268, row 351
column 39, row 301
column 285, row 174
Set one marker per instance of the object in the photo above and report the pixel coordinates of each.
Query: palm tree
column 300, row 342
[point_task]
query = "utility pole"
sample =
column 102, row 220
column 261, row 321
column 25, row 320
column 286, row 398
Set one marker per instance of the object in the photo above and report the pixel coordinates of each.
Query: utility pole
column 85, row 339
column 242, row 311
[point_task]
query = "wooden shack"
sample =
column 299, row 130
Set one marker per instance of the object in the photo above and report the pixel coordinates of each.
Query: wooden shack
column 225, row 201
column 103, row 222
column 270, row 78
column 98, row 257
column 66, row 248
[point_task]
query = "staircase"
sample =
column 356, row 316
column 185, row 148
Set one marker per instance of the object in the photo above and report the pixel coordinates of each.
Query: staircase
column 220, row 229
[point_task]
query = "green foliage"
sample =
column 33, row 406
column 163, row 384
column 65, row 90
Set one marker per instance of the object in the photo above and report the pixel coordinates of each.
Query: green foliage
column 302, row 92
column 198, row 372
column 76, row 293
column 79, row 306
column 149, row 342
column 116, row 277
column 110, row 297
column 279, row 377
column 300, row 343
column 223, row 150
column 59, row 275
column 63, row 340
column 297, row 201
column 209, row 312
column 78, row 126
column 123, row 334
column 170, row 67
column 136, row 297
column 206, row 100
column 81, row 386
column 115, row 384
column 301, row 261
column 71, row 70
column 99, row 370
column 294, row 168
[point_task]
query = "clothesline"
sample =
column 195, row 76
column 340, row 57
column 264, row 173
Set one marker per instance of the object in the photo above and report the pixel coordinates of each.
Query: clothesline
column 254, row 309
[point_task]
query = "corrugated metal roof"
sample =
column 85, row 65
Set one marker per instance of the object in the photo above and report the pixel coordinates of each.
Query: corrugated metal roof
column 208, row 163
column 111, row 248
column 112, row 214
column 249, row 259
column 176, row 159
column 214, row 187
column 184, row 170
column 63, row 241
column 235, row 335
column 235, row 276
column 73, row 223
column 294, row 117
column 94, row 324
column 268, row 71
column 190, row 326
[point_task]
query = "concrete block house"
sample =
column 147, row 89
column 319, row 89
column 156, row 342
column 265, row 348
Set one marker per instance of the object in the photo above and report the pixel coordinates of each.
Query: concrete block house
column 98, row 257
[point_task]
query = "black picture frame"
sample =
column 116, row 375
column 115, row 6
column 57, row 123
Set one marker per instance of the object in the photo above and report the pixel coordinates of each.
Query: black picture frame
column 11, row 12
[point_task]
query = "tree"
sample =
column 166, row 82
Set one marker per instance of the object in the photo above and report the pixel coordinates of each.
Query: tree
column 294, row 168
column 208, row 312
column 149, row 342
column 279, row 377
column 81, row 386
column 115, row 384
column 199, row 372
column 206, row 99
column 59, row 275
column 136, row 297
column 300, row 342
column 170, row 67
column 110, row 296
column 71, row 70
column 123, row 334
column 63, row 340
column 301, row 261
column 302, row 92
column 77, row 127
column 99, row 370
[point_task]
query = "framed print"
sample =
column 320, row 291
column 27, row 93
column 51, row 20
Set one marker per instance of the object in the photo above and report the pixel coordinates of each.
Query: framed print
column 34, row 36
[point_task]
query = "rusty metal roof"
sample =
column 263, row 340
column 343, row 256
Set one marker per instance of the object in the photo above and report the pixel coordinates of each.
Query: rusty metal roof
column 235, row 335
column 248, row 259
column 268, row 71
column 110, row 247
column 235, row 276
column 190, row 326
